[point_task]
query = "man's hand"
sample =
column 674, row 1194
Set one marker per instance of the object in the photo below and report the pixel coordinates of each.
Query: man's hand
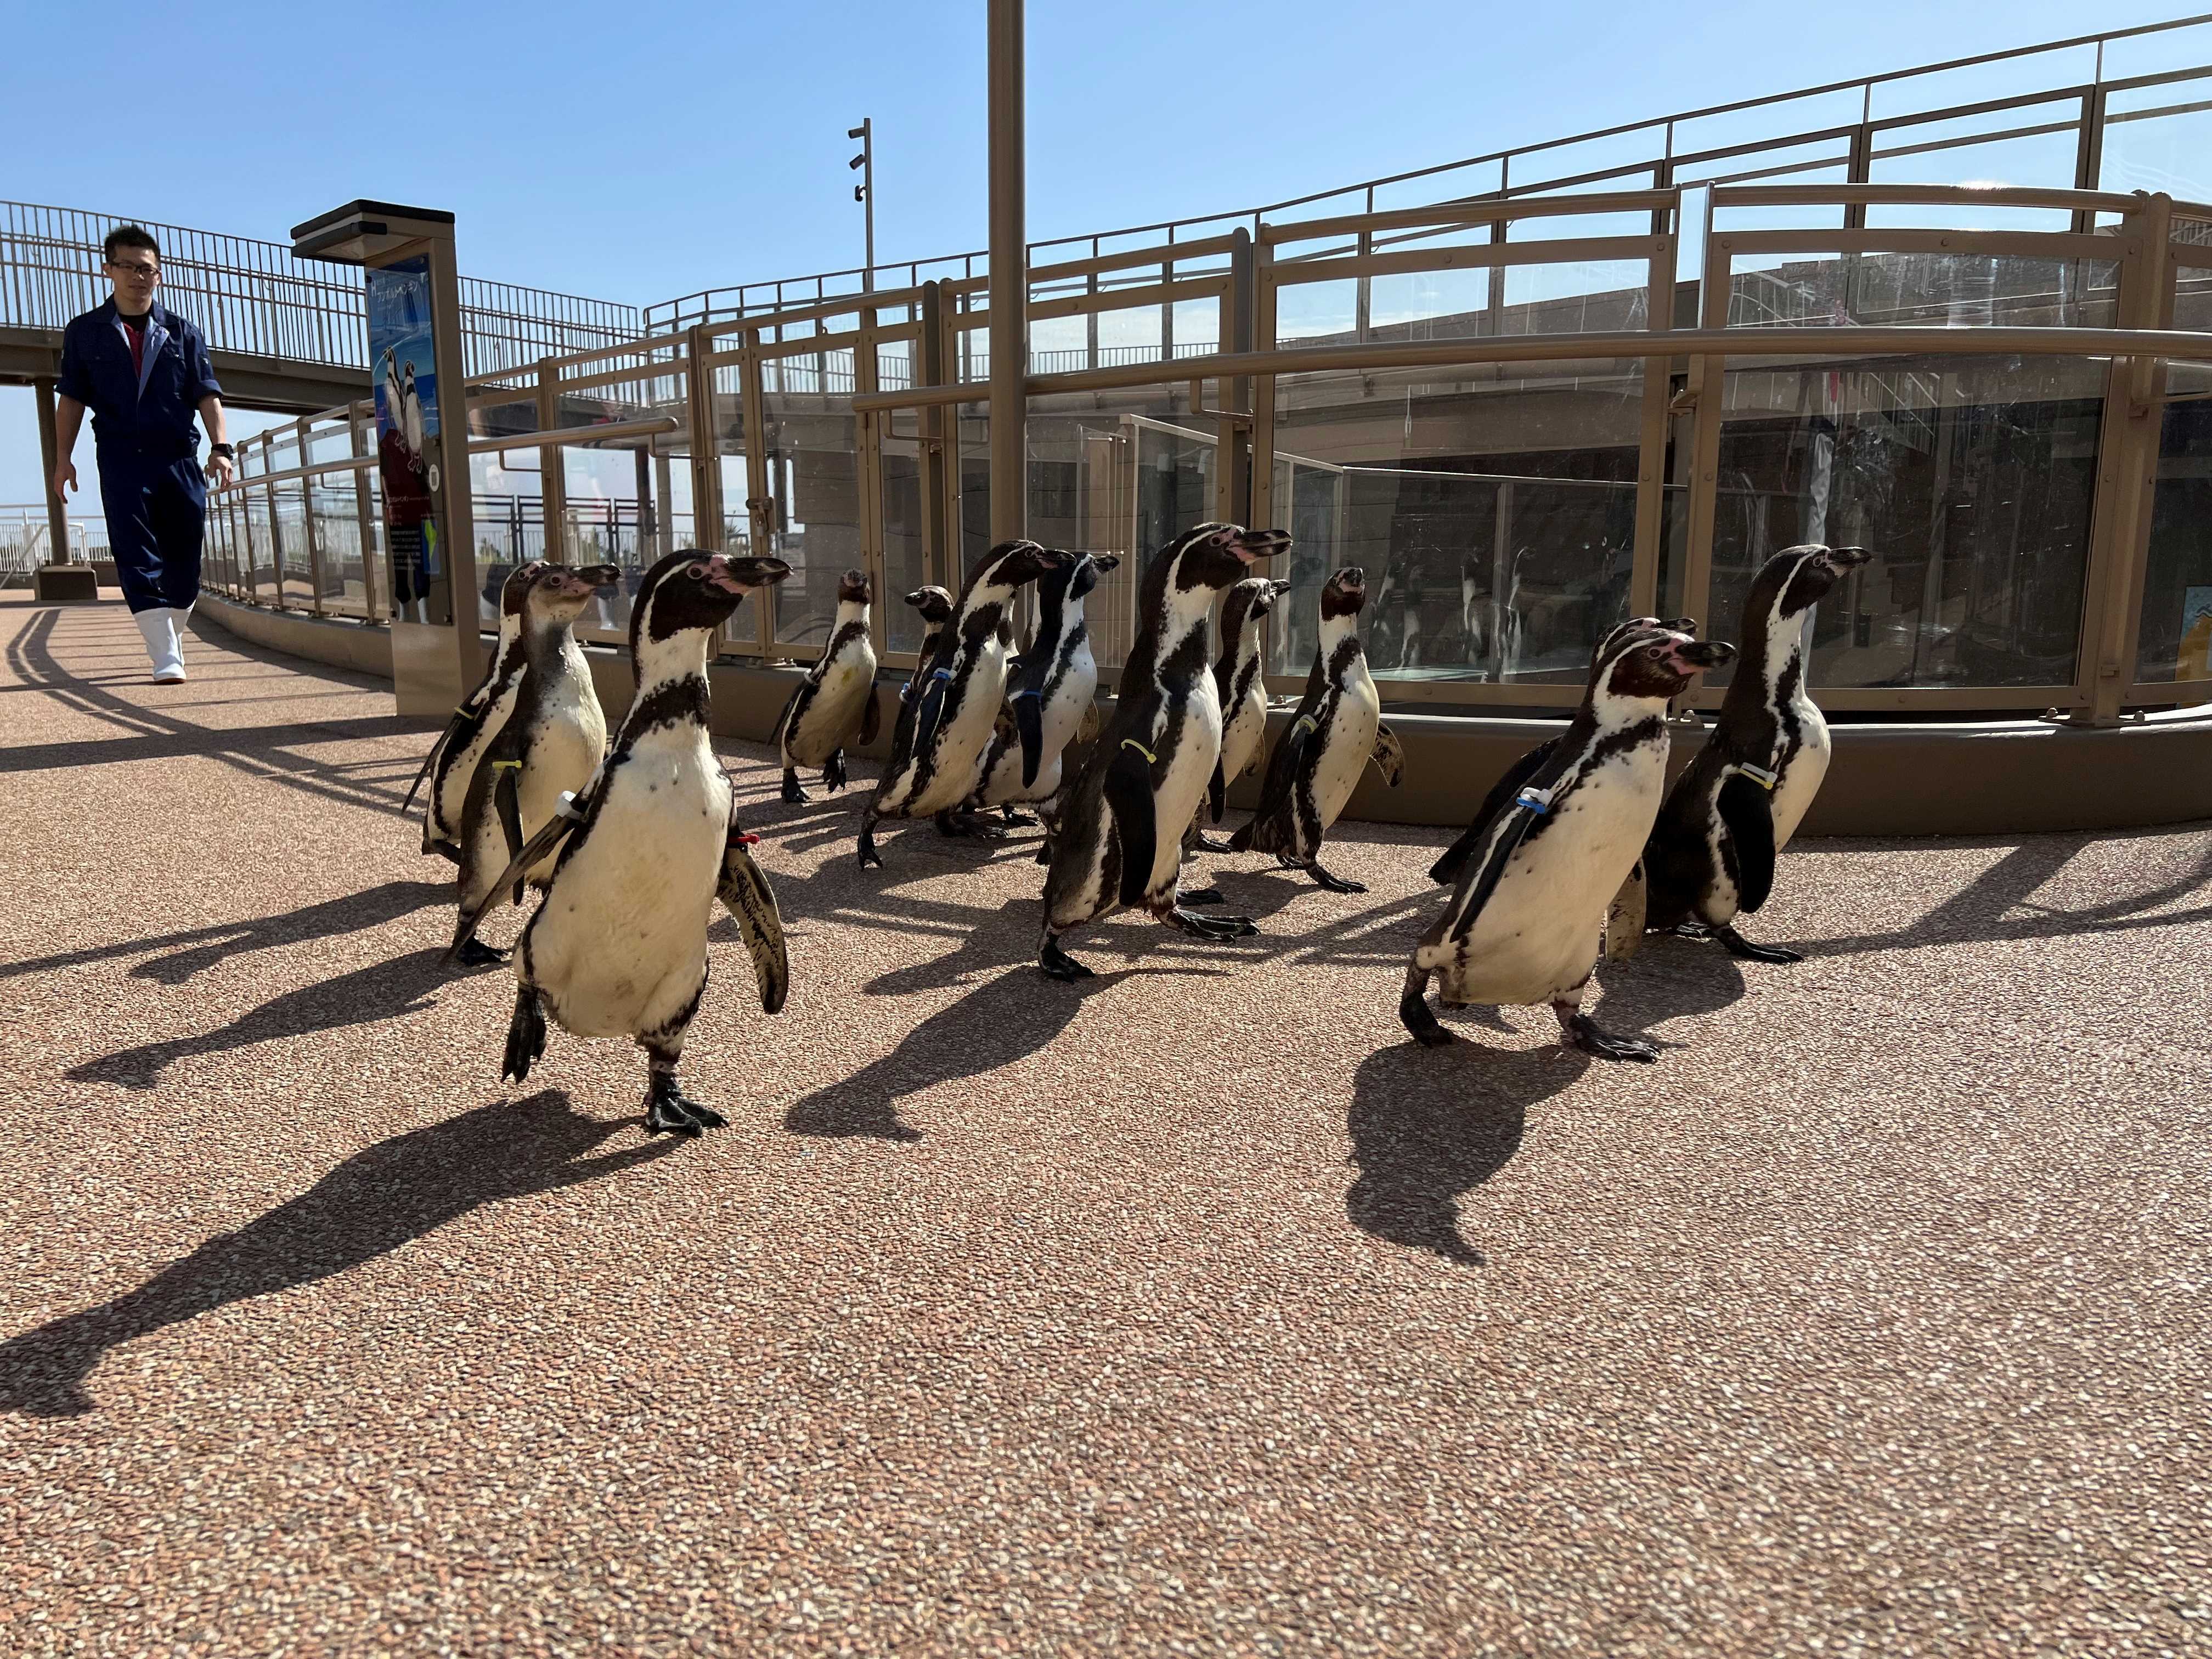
column 65, row 480
column 220, row 470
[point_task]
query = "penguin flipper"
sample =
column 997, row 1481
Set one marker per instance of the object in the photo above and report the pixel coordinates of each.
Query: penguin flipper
column 745, row 892
column 429, row 761
column 539, row 846
column 793, row 711
column 929, row 710
column 1445, row 871
column 506, row 796
column 1389, row 756
column 1283, row 768
column 871, row 717
column 1748, row 813
column 1623, row 920
column 1217, row 792
column 1088, row 728
column 1128, row 791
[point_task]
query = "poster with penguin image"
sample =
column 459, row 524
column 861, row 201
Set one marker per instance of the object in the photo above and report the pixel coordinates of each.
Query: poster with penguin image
column 403, row 373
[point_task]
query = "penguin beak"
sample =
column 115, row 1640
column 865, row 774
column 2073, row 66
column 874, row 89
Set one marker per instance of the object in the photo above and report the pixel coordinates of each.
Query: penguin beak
column 1255, row 545
column 1695, row 656
column 741, row 575
column 1840, row 559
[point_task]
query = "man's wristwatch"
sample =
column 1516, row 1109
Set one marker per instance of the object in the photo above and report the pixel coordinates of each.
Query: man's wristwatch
column 221, row 450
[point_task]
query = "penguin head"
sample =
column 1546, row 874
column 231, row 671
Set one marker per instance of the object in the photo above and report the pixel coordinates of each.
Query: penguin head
column 934, row 604
column 853, row 589
column 1088, row 567
column 696, row 590
column 1796, row 578
column 1651, row 660
column 1249, row 600
column 557, row 594
column 514, row 592
column 1014, row 564
column 1210, row 557
column 1342, row 594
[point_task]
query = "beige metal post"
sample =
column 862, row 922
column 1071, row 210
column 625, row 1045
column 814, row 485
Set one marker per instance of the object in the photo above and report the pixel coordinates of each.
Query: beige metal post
column 1010, row 286
column 358, row 428
column 457, row 517
column 1652, row 452
column 307, row 518
column 57, row 547
column 760, row 480
column 552, row 469
column 940, row 427
column 705, row 439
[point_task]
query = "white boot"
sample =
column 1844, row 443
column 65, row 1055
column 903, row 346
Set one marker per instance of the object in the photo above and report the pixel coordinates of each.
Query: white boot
column 159, row 626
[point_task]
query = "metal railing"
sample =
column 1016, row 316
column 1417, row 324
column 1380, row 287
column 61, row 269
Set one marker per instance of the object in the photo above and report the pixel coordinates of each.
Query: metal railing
column 253, row 299
column 1871, row 129
column 27, row 541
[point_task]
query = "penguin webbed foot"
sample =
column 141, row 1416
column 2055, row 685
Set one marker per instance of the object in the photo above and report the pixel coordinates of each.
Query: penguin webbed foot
column 1583, row 1032
column 1017, row 820
column 473, row 952
column 792, row 792
column 869, row 859
column 668, row 1110
column 1207, row 844
column 525, row 1036
column 833, row 773
column 1203, row 895
column 1745, row 949
column 1210, row 927
column 1335, row 884
column 1414, row 1014
column 959, row 822
column 1058, row 964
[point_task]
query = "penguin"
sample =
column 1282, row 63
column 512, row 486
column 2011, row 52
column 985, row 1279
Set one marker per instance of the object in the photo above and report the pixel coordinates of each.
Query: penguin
column 410, row 406
column 953, row 704
column 1049, row 690
column 1471, row 575
column 836, row 704
column 1527, row 919
column 1240, row 681
column 476, row 721
column 1337, row 730
column 618, row 947
column 935, row 605
column 1121, row 835
column 549, row 745
column 1446, row 870
column 1738, row 803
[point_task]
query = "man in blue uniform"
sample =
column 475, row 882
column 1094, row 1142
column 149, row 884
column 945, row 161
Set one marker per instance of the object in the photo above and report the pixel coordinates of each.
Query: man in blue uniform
column 142, row 372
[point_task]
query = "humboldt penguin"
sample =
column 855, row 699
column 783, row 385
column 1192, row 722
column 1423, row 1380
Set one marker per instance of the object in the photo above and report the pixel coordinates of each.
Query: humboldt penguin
column 452, row 762
column 1337, row 730
column 836, row 704
column 1240, row 683
column 549, row 746
column 1526, row 922
column 618, row 948
column 953, row 704
column 935, row 605
column 1738, row 803
column 1049, row 689
column 1121, row 835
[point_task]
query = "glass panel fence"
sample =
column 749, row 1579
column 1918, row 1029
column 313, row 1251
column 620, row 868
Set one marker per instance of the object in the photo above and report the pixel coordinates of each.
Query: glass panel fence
column 905, row 564
column 335, row 508
column 2160, row 138
column 297, row 587
column 2176, row 638
column 811, row 461
column 1971, row 481
column 1910, row 289
column 1492, row 509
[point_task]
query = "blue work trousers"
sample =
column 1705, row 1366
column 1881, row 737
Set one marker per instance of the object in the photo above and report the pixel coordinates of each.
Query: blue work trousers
column 156, row 520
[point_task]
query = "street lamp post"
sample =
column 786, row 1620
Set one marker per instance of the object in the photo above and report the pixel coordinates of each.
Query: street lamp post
column 865, row 192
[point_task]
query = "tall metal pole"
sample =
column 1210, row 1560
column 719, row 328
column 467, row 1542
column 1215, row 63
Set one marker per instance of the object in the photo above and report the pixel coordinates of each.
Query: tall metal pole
column 58, row 537
column 1010, row 285
column 865, row 193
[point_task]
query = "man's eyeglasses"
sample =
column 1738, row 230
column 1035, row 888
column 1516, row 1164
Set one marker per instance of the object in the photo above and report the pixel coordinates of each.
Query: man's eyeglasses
column 129, row 268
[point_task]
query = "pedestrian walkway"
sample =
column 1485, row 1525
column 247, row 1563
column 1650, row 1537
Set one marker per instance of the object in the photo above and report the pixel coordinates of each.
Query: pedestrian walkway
column 1194, row 1305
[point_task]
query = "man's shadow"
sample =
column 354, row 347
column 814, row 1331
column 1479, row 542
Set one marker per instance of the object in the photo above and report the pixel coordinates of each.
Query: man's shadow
column 375, row 1201
column 381, row 991
column 1429, row 1124
column 1006, row 1018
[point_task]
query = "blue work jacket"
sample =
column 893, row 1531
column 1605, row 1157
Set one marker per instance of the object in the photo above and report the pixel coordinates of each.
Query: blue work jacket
column 153, row 415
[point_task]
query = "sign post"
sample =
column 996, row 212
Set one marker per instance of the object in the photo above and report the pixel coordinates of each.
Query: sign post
column 421, row 397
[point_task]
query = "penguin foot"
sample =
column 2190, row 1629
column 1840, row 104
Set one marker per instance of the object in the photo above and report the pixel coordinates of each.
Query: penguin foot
column 869, row 859
column 1018, row 820
column 1583, row 1032
column 792, row 792
column 1413, row 1014
column 1044, row 853
column 1211, row 927
column 1060, row 965
column 1737, row 945
column 473, row 952
column 1212, row 844
column 525, row 1036
column 1335, row 884
column 668, row 1111
column 833, row 774
column 1203, row 895
column 961, row 823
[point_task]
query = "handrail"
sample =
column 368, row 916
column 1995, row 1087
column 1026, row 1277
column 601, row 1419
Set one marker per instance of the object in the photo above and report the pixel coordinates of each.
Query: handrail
column 644, row 426
column 2076, row 201
column 1382, row 357
column 1475, row 210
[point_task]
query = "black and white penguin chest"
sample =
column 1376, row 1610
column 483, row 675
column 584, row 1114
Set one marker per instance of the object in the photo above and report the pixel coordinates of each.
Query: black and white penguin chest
column 1071, row 688
column 556, row 738
column 1340, row 748
column 844, row 678
column 942, row 772
column 1244, row 716
column 619, row 945
column 1537, row 933
column 457, row 764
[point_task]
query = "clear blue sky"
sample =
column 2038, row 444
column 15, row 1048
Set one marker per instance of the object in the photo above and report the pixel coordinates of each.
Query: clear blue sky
column 639, row 152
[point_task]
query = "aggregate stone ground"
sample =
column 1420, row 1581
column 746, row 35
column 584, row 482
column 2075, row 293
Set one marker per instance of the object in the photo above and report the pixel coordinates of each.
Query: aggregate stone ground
column 1194, row 1311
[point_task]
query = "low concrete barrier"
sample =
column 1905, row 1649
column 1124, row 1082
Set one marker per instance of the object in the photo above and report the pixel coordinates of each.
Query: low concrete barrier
column 1888, row 778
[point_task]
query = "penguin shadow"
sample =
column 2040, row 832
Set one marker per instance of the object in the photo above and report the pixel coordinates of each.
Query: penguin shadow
column 201, row 948
column 388, row 1195
column 1006, row 1018
column 400, row 986
column 1429, row 1125
column 1668, row 978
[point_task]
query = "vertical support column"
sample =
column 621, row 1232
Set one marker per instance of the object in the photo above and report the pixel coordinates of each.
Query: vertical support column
column 663, row 521
column 552, row 469
column 940, row 429
column 1708, row 387
column 57, row 545
column 1262, row 390
column 1235, row 452
column 761, row 512
column 276, row 533
column 362, row 443
column 1010, row 286
column 1651, row 450
column 868, row 470
column 2127, row 473
column 706, row 439
column 308, row 516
